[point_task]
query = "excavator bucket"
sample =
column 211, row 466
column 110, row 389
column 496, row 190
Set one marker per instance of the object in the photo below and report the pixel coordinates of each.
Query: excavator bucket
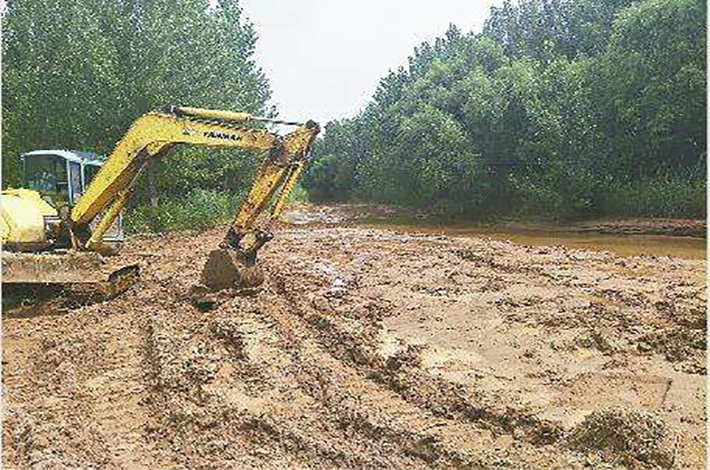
column 66, row 279
column 227, row 269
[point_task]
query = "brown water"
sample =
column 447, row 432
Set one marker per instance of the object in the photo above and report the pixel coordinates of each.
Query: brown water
column 622, row 245
column 363, row 215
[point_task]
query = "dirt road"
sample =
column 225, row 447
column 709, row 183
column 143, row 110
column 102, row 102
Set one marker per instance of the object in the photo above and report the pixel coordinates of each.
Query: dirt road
column 370, row 348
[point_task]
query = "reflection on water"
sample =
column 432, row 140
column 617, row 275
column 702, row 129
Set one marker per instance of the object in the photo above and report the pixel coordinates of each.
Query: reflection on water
column 622, row 245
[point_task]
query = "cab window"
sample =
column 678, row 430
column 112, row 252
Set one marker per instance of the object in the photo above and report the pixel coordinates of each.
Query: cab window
column 46, row 174
column 75, row 180
column 89, row 173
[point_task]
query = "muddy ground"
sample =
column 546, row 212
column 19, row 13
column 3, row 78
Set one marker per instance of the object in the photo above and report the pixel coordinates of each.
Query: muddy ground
column 369, row 347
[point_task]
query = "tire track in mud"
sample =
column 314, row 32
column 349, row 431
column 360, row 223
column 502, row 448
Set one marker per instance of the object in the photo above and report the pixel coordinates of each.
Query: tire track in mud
column 569, row 272
column 314, row 389
column 350, row 389
column 333, row 444
column 118, row 393
column 339, row 391
column 401, row 374
column 88, row 378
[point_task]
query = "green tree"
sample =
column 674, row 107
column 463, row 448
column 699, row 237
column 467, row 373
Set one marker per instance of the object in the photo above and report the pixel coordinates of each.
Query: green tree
column 650, row 87
column 57, row 67
column 558, row 107
column 77, row 73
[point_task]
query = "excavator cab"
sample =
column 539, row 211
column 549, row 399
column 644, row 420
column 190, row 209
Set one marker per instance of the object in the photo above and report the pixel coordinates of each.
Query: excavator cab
column 61, row 177
column 58, row 175
column 36, row 259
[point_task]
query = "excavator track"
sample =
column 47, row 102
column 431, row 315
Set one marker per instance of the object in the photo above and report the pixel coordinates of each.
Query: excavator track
column 55, row 282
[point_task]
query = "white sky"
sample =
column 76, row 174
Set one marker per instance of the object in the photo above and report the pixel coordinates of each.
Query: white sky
column 324, row 58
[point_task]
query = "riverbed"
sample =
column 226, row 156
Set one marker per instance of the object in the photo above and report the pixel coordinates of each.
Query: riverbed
column 622, row 237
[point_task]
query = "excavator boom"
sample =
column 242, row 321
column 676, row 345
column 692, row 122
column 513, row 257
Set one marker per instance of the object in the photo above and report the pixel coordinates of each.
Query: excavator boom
column 154, row 133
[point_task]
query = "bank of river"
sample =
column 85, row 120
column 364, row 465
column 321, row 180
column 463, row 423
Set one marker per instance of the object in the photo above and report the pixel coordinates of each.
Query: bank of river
column 622, row 245
column 662, row 237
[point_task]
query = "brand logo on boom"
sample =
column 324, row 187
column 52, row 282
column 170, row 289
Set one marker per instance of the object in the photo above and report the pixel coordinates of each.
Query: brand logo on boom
column 222, row 135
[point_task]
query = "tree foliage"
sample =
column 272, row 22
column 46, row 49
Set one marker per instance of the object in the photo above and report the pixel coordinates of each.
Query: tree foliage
column 77, row 73
column 555, row 107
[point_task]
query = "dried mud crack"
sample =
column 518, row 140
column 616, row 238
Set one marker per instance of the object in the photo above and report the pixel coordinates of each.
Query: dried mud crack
column 369, row 348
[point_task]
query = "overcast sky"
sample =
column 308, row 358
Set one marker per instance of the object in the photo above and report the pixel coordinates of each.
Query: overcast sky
column 324, row 58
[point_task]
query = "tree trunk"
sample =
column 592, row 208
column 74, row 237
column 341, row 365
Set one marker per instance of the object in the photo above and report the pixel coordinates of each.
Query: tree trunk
column 152, row 191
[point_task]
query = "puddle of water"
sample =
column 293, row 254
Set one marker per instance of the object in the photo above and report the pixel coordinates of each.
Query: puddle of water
column 621, row 245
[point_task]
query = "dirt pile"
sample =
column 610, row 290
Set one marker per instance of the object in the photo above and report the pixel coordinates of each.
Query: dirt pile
column 631, row 438
column 363, row 348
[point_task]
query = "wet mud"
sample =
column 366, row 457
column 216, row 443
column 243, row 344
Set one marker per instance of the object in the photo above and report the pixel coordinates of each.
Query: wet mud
column 368, row 347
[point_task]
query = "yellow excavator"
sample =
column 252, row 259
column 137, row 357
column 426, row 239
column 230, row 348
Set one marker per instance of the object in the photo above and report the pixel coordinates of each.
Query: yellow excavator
column 55, row 235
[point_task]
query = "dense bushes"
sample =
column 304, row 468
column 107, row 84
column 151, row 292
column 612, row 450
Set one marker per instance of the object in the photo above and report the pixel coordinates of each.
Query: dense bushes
column 199, row 210
column 673, row 193
column 557, row 108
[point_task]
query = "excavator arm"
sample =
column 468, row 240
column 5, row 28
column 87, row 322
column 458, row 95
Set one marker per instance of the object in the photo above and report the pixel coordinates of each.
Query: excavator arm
column 155, row 133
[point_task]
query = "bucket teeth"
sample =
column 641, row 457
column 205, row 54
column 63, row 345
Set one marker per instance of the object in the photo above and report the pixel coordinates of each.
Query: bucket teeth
column 226, row 269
